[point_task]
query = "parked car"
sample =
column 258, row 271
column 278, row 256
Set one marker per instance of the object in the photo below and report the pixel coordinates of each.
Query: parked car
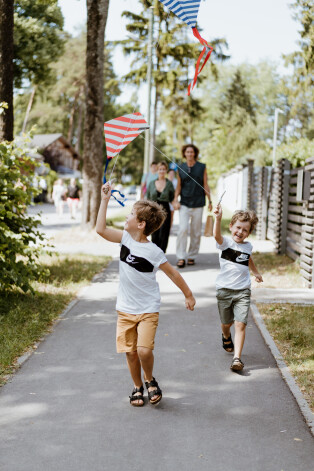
column 130, row 190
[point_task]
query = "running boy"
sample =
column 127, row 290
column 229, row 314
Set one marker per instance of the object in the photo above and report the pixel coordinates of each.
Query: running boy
column 138, row 298
column 233, row 283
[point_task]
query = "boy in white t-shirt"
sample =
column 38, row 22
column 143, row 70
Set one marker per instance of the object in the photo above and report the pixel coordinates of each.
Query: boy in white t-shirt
column 233, row 283
column 138, row 298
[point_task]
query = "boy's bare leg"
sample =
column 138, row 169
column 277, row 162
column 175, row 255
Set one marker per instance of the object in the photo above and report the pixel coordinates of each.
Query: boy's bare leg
column 239, row 338
column 226, row 333
column 147, row 360
column 135, row 370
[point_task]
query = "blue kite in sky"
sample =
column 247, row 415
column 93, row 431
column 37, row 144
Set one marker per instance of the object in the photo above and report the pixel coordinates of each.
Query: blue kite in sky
column 187, row 11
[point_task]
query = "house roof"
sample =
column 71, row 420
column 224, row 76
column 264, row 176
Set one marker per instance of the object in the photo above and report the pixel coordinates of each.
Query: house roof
column 44, row 140
column 41, row 141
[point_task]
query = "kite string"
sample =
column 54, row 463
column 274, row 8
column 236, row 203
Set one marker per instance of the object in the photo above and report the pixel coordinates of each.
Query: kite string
column 186, row 173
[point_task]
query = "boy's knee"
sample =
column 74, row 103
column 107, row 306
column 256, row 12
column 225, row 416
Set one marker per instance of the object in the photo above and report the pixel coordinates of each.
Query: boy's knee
column 132, row 356
column 144, row 353
column 240, row 325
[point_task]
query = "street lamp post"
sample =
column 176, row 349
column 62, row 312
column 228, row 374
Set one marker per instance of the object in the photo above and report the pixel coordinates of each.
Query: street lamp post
column 149, row 86
column 277, row 111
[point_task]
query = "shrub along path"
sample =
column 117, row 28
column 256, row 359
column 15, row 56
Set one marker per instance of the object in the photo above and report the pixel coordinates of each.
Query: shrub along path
column 67, row 408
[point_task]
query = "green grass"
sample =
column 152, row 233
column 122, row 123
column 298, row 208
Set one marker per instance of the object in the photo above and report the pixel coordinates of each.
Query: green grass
column 26, row 318
column 292, row 328
column 278, row 271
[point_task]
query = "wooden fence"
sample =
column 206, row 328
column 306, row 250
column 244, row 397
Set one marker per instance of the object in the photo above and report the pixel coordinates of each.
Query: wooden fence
column 283, row 199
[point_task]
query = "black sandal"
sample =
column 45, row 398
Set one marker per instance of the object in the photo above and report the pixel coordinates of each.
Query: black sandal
column 237, row 364
column 227, row 343
column 155, row 392
column 139, row 397
column 181, row 263
column 191, row 261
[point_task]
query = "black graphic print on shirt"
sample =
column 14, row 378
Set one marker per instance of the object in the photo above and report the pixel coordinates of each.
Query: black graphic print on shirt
column 235, row 256
column 139, row 263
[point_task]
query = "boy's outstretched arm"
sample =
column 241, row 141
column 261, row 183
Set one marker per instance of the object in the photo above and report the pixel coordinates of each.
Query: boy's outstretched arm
column 113, row 235
column 177, row 279
column 217, row 224
column 254, row 270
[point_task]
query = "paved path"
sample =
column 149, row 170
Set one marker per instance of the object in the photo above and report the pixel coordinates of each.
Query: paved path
column 67, row 408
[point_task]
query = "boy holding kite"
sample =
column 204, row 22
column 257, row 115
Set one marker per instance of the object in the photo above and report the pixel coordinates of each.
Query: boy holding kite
column 138, row 298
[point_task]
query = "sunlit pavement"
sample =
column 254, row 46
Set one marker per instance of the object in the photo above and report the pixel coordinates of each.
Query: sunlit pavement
column 67, row 408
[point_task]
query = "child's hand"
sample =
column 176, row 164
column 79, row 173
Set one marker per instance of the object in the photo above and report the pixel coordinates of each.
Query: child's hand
column 106, row 191
column 190, row 302
column 218, row 212
column 258, row 278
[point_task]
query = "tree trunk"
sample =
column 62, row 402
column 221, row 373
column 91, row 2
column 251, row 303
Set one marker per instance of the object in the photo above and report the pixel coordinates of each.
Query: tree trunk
column 97, row 13
column 6, row 68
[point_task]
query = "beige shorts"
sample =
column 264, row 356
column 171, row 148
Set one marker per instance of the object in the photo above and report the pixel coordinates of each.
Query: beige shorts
column 136, row 330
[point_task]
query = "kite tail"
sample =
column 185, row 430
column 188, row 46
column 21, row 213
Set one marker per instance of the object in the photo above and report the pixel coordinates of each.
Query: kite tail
column 207, row 49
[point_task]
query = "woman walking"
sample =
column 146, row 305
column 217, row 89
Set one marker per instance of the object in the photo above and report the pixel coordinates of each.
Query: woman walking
column 162, row 191
column 192, row 187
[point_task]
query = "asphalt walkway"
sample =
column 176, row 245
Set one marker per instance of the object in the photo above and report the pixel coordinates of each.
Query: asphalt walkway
column 67, row 408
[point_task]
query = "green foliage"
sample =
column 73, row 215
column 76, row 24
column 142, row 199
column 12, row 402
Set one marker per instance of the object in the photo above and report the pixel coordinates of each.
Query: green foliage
column 20, row 240
column 38, row 40
column 174, row 52
column 301, row 89
column 296, row 151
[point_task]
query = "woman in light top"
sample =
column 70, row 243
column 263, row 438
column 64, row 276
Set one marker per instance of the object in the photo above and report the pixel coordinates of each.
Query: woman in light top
column 162, row 191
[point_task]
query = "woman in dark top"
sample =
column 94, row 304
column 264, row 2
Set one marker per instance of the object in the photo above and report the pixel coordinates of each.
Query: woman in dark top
column 162, row 191
column 192, row 187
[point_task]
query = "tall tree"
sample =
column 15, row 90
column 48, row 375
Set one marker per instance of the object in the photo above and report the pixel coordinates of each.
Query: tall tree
column 6, row 69
column 97, row 13
column 301, row 86
column 173, row 54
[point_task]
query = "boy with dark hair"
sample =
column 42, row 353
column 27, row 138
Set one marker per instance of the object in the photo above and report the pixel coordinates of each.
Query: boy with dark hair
column 138, row 298
column 233, row 283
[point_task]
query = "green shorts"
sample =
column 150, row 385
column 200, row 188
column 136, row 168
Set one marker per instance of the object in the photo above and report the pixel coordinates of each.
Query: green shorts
column 233, row 304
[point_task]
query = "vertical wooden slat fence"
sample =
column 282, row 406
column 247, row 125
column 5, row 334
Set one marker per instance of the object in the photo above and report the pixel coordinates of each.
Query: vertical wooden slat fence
column 261, row 208
column 307, row 234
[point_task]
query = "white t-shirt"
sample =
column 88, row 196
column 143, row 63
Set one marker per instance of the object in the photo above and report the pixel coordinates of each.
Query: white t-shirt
column 138, row 289
column 234, row 264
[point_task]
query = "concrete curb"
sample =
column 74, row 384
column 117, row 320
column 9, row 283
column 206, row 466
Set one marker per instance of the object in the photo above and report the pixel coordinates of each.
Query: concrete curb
column 284, row 370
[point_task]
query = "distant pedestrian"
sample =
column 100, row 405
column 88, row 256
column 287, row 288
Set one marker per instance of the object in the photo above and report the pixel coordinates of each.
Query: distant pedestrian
column 192, row 188
column 162, row 191
column 73, row 197
column 138, row 299
column 58, row 196
column 233, row 283
column 148, row 177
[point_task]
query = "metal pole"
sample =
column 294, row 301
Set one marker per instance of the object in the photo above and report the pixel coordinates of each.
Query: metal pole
column 277, row 111
column 149, row 86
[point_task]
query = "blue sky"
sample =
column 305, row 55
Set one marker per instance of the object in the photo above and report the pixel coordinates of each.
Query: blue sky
column 255, row 30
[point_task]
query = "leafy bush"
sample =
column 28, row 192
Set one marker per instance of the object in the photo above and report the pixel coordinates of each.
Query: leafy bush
column 20, row 240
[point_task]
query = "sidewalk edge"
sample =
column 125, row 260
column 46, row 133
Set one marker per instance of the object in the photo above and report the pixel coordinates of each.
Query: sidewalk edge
column 283, row 368
column 23, row 358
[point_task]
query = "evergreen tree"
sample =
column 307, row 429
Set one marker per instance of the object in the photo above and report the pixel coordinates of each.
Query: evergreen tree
column 173, row 56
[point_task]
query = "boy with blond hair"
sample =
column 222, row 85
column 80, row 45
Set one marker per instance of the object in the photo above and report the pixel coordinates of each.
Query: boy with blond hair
column 138, row 299
column 233, row 283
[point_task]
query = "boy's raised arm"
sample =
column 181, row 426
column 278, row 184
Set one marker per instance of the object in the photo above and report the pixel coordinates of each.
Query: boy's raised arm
column 217, row 224
column 177, row 279
column 113, row 235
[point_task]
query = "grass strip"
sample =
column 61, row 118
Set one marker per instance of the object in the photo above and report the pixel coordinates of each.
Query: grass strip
column 278, row 271
column 26, row 318
column 292, row 328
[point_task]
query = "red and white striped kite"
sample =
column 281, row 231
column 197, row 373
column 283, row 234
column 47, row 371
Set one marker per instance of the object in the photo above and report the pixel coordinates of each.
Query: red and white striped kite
column 119, row 132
